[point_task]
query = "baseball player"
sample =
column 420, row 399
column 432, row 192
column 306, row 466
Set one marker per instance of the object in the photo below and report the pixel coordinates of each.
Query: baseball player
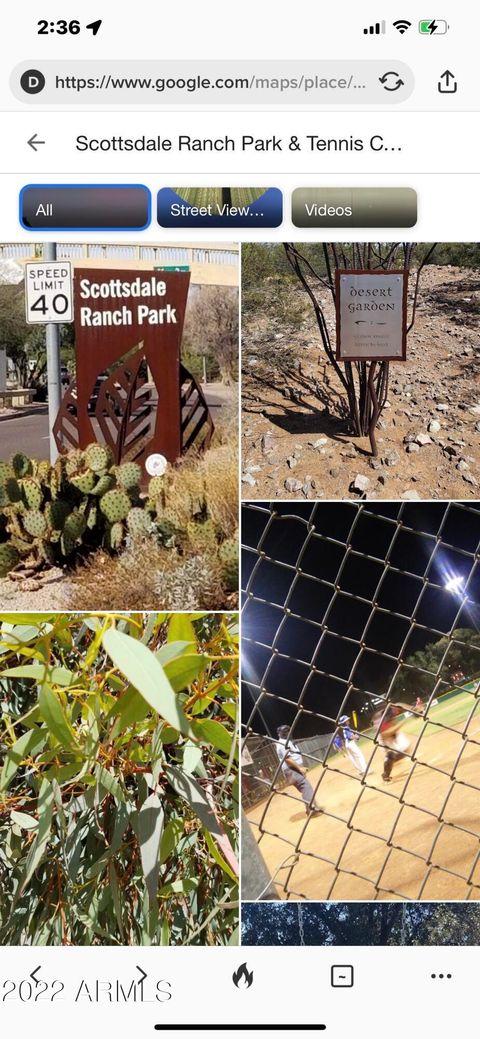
column 391, row 738
column 346, row 740
column 293, row 768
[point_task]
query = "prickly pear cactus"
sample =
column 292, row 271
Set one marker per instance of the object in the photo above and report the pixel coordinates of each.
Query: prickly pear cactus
column 35, row 523
column 115, row 505
column 228, row 556
column 6, row 472
column 56, row 513
column 170, row 522
column 32, row 492
column 21, row 464
column 128, row 475
column 115, row 536
column 48, row 511
column 75, row 525
column 201, row 536
column 84, row 481
column 42, row 470
column 139, row 523
column 156, row 487
column 98, row 457
column 74, row 461
column 104, row 484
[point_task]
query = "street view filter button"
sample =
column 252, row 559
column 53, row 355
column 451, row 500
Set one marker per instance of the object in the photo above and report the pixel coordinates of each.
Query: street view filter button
column 85, row 207
column 220, row 207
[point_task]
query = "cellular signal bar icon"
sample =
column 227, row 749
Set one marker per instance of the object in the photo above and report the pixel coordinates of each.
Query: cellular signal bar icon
column 376, row 30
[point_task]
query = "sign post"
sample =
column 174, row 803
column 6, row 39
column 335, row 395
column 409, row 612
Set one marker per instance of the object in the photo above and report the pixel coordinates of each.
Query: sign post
column 49, row 302
column 371, row 310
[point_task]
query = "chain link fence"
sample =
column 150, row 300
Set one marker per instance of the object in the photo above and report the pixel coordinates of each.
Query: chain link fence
column 367, row 611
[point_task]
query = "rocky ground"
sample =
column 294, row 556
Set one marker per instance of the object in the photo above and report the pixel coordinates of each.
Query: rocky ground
column 295, row 442
column 51, row 591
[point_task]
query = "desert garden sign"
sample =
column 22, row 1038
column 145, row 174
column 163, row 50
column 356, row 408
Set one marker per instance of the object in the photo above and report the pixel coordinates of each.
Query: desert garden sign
column 371, row 315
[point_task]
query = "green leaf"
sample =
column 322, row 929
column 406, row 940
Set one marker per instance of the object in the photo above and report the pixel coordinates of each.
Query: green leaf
column 213, row 732
column 110, row 783
column 24, row 820
column 40, row 841
column 26, row 618
column 181, row 627
column 53, row 715
column 219, row 859
column 184, row 670
column 143, row 671
column 172, row 650
column 149, row 827
column 31, row 742
column 129, row 709
column 191, row 791
column 179, row 887
column 38, row 672
column 170, row 838
column 192, row 756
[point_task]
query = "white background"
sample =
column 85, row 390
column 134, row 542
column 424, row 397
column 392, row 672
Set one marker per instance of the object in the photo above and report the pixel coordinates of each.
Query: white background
column 393, row 994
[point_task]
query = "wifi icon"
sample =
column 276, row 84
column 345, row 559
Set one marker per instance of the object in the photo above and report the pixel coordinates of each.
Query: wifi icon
column 402, row 25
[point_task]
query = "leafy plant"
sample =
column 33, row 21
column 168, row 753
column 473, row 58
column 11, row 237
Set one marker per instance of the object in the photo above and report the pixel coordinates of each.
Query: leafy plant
column 118, row 782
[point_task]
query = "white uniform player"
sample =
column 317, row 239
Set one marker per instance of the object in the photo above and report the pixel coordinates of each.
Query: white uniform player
column 293, row 768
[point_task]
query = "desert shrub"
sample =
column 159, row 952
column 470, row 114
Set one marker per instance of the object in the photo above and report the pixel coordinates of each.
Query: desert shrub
column 118, row 813
column 146, row 575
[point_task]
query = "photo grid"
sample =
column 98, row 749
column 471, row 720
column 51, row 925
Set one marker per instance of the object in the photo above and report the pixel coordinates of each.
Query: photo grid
column 184, row 763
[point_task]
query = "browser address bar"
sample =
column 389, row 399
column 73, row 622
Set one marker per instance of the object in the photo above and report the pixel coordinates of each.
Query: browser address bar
column 212, row 82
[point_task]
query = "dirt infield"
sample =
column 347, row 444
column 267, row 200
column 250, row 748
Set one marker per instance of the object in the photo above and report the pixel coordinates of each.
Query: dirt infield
column 417, row 837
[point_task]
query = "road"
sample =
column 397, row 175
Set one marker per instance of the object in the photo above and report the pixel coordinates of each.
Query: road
column 28, row 431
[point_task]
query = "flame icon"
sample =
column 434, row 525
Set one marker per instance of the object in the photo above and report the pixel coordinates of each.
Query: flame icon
column 243, row 977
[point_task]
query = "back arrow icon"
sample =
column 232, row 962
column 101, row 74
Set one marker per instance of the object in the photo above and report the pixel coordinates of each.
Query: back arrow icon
column 385, row 81
column 34, row 141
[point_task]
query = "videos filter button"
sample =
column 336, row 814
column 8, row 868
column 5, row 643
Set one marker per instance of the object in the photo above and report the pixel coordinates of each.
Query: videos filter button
column 354, row 207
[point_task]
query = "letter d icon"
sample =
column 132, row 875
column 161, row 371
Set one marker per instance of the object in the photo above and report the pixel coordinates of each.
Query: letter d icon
column 32, row 81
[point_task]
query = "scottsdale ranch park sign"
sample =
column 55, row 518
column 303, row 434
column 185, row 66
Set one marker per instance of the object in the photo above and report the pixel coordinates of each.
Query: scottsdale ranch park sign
column 117, row 302
column 371, row 315
column 131, row 389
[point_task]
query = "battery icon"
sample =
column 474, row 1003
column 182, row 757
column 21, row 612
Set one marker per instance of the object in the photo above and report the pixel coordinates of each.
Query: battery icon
column 433, row 27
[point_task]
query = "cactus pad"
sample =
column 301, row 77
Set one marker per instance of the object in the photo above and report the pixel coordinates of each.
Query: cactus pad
column 21, row 464
column 84, row 481
column 98, row 457
column 115, row 505
column 138, row 523
column 129, row 475
column 35, row 523
column 32, row 492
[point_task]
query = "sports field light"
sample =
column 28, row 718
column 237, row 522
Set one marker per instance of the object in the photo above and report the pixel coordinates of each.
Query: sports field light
column 455, row 583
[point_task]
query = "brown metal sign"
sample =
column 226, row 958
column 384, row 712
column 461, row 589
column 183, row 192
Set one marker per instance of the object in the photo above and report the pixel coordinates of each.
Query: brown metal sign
column 371, row 311
column 129, row 389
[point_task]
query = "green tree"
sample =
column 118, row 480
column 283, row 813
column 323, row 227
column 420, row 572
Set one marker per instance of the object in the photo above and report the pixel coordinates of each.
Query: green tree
column 211, row 329
column 459, row 652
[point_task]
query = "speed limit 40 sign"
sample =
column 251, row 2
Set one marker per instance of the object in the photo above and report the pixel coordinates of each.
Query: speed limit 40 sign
column 48, row 292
